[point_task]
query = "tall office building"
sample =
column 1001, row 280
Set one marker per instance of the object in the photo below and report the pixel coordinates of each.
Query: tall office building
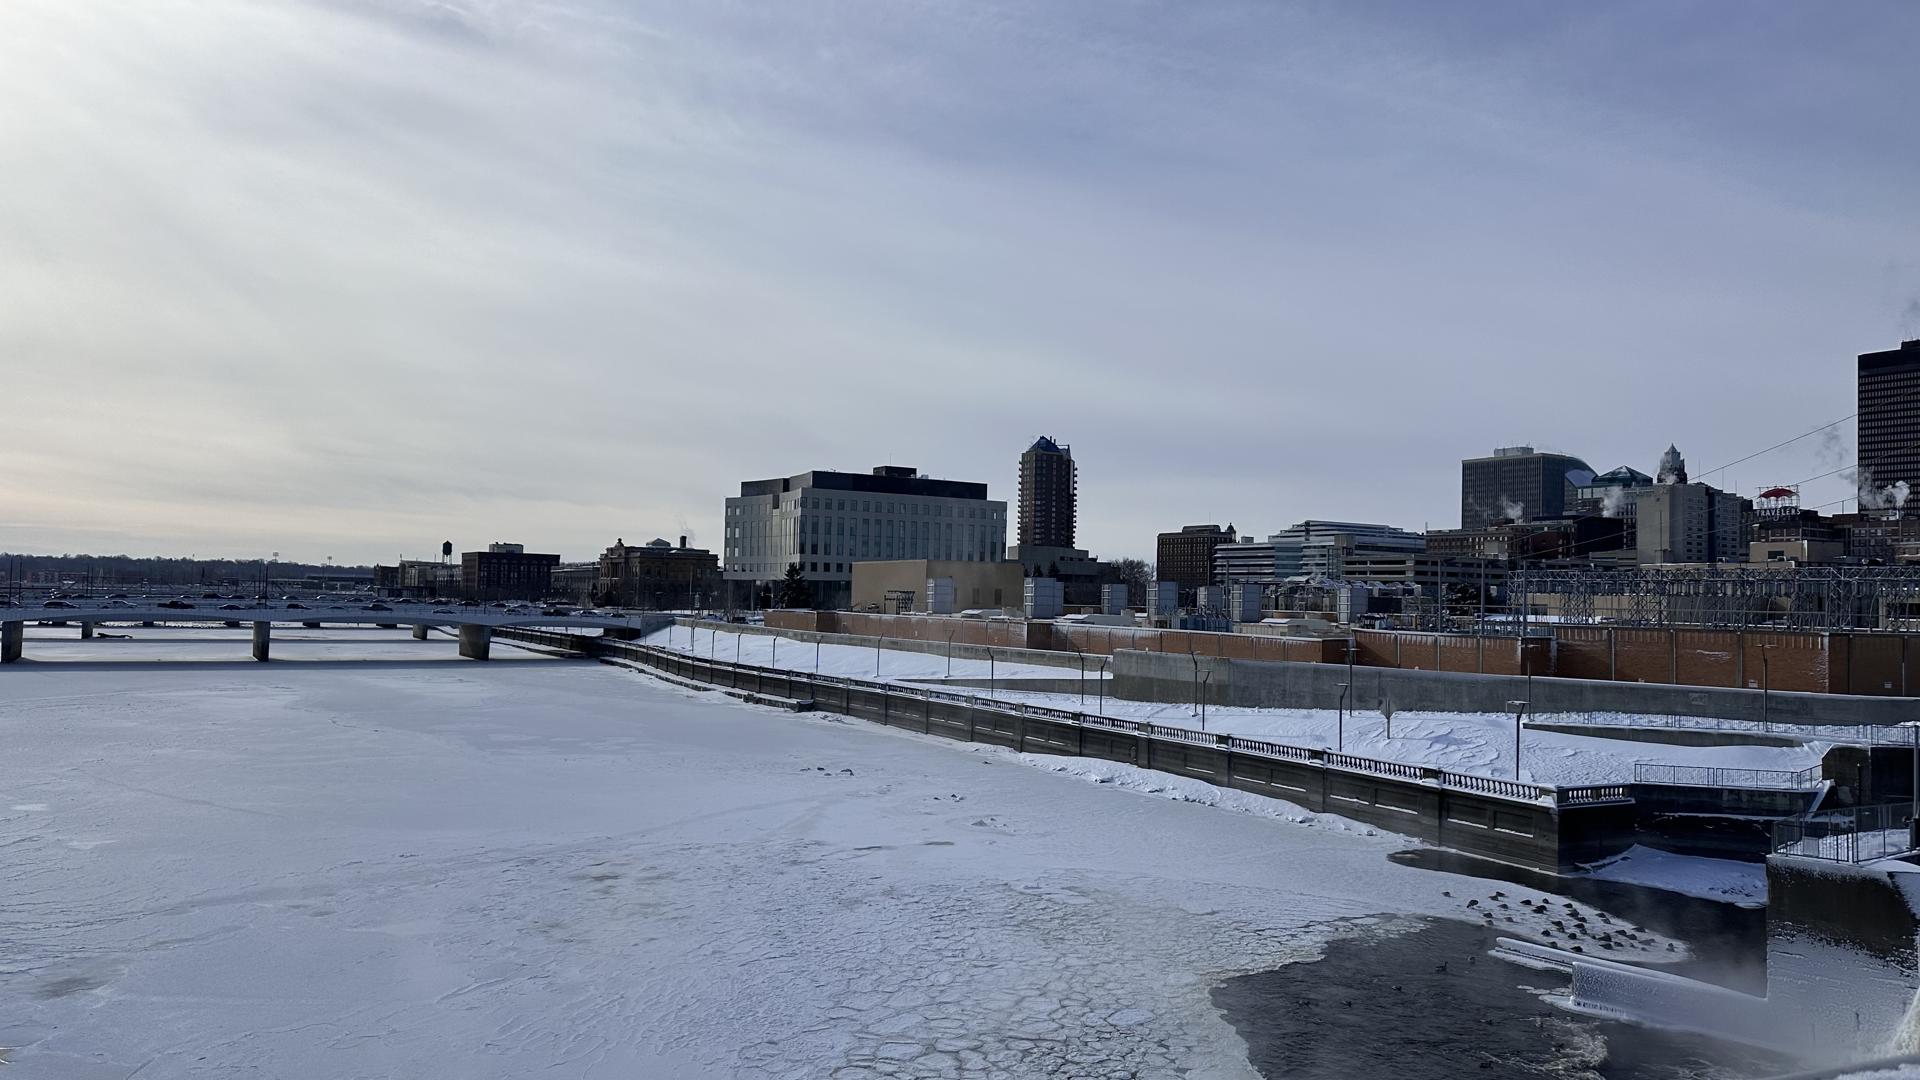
column 1186, row 557
column 1889, row 420
column 825, row 521
column 1048, row 492
column 1518, row 483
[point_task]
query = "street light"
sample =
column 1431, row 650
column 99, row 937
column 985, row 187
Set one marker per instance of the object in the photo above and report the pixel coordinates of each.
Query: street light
column 1766, row 687
column 1913, row 799
column 1519, row 721
column 1340, row 732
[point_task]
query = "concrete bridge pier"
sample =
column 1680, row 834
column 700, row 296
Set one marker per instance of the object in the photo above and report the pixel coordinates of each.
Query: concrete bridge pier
column 420, row 632
column 475, row 641
column 262, row 640
column 86, row 631
column 12, row 636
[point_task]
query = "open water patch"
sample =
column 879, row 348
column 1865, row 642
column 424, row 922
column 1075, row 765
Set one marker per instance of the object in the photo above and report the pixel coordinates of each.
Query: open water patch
column 1430, row 1003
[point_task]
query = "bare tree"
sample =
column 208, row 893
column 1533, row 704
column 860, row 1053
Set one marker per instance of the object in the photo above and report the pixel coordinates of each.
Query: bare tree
column 1135, row 574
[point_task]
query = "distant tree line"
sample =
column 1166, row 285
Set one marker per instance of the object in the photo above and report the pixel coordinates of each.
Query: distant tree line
column 131, row 570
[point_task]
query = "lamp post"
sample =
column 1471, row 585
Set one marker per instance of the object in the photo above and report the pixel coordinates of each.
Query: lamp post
column 1102, row 707
column 1519, row 721
column 993, row 690
column 950, row 632
column 1340, row 732
column 775, row 662
column 1204, row 680
column 1196, row 677
column 1766, row 688
column 1913, row 791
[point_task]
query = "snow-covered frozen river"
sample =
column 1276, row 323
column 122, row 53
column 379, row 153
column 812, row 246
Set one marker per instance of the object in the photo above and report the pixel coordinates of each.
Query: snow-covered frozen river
column 416, row 866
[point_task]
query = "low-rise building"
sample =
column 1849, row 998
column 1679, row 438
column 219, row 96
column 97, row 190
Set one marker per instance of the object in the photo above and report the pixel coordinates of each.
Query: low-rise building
column 894, row 586
column 506, row 572
column 419, row 578
column 1311, row 549
column 658, row 576
column 1530, row 541
column 574, row 582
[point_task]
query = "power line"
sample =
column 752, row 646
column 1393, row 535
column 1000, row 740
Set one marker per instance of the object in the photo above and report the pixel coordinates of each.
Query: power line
column 1778, row 445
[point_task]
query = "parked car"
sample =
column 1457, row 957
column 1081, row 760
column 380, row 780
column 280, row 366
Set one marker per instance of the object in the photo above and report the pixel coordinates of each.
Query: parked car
column 444, row 611
column 232, row 607
column 118, row 596
column 469, row 603
column 297, row 606
column 378, row 606
column 176, row 604
column 57, row 604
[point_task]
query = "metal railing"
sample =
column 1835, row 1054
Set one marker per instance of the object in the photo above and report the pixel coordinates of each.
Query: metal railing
column 1497, row 787
column 1854, row 835
column 1378, row 767
column 1592, row 794
column 1717, row 777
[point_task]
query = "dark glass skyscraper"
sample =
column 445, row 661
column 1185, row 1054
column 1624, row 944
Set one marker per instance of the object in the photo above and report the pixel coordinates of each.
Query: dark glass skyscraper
column 1048, row 493
column 1889, row 421
column 1518, row 483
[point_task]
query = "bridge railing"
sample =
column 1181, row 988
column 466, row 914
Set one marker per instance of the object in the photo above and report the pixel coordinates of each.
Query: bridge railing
column 1719, row 777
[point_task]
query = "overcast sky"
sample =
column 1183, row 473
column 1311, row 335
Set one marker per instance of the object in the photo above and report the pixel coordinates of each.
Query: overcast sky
column 351, row 277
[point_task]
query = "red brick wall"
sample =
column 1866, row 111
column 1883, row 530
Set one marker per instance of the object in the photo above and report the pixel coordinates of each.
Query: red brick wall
column 1814, row 662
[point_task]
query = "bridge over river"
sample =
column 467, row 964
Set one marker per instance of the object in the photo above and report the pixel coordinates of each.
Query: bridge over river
column 475, row 625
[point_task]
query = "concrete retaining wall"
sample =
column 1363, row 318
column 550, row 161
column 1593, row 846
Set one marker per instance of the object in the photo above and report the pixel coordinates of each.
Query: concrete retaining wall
column 1147, row 676
column 1525, row 832
column 1004, row 654
column 1841, row 963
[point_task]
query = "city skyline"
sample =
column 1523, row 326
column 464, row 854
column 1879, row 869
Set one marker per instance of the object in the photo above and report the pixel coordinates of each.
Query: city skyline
column 369, row 276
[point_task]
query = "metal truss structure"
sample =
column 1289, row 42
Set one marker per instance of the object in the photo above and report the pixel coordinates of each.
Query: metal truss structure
column 1733, row 597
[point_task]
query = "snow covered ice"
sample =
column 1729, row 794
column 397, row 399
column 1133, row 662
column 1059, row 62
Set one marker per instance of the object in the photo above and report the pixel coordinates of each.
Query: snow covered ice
column 423, row 867
column 1480, row 743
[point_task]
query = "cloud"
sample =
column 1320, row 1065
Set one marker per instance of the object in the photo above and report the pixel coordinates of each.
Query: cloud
column 369, row 273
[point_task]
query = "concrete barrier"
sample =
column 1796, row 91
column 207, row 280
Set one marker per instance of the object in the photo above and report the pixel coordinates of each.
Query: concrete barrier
column 1524, row 824
column 1004, row 654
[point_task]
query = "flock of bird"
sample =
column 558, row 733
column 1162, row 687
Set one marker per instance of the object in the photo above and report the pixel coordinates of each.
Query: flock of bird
column 1568, row 927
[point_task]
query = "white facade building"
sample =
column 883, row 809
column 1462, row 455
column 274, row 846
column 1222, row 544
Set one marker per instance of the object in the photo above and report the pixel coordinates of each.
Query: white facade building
column 827, row 521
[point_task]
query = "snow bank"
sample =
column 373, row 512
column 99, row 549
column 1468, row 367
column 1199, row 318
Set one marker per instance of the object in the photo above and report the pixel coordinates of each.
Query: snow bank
column 1708, row 879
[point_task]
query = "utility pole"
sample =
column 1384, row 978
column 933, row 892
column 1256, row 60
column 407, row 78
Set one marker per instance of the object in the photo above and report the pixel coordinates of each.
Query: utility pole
column 1519, row 722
